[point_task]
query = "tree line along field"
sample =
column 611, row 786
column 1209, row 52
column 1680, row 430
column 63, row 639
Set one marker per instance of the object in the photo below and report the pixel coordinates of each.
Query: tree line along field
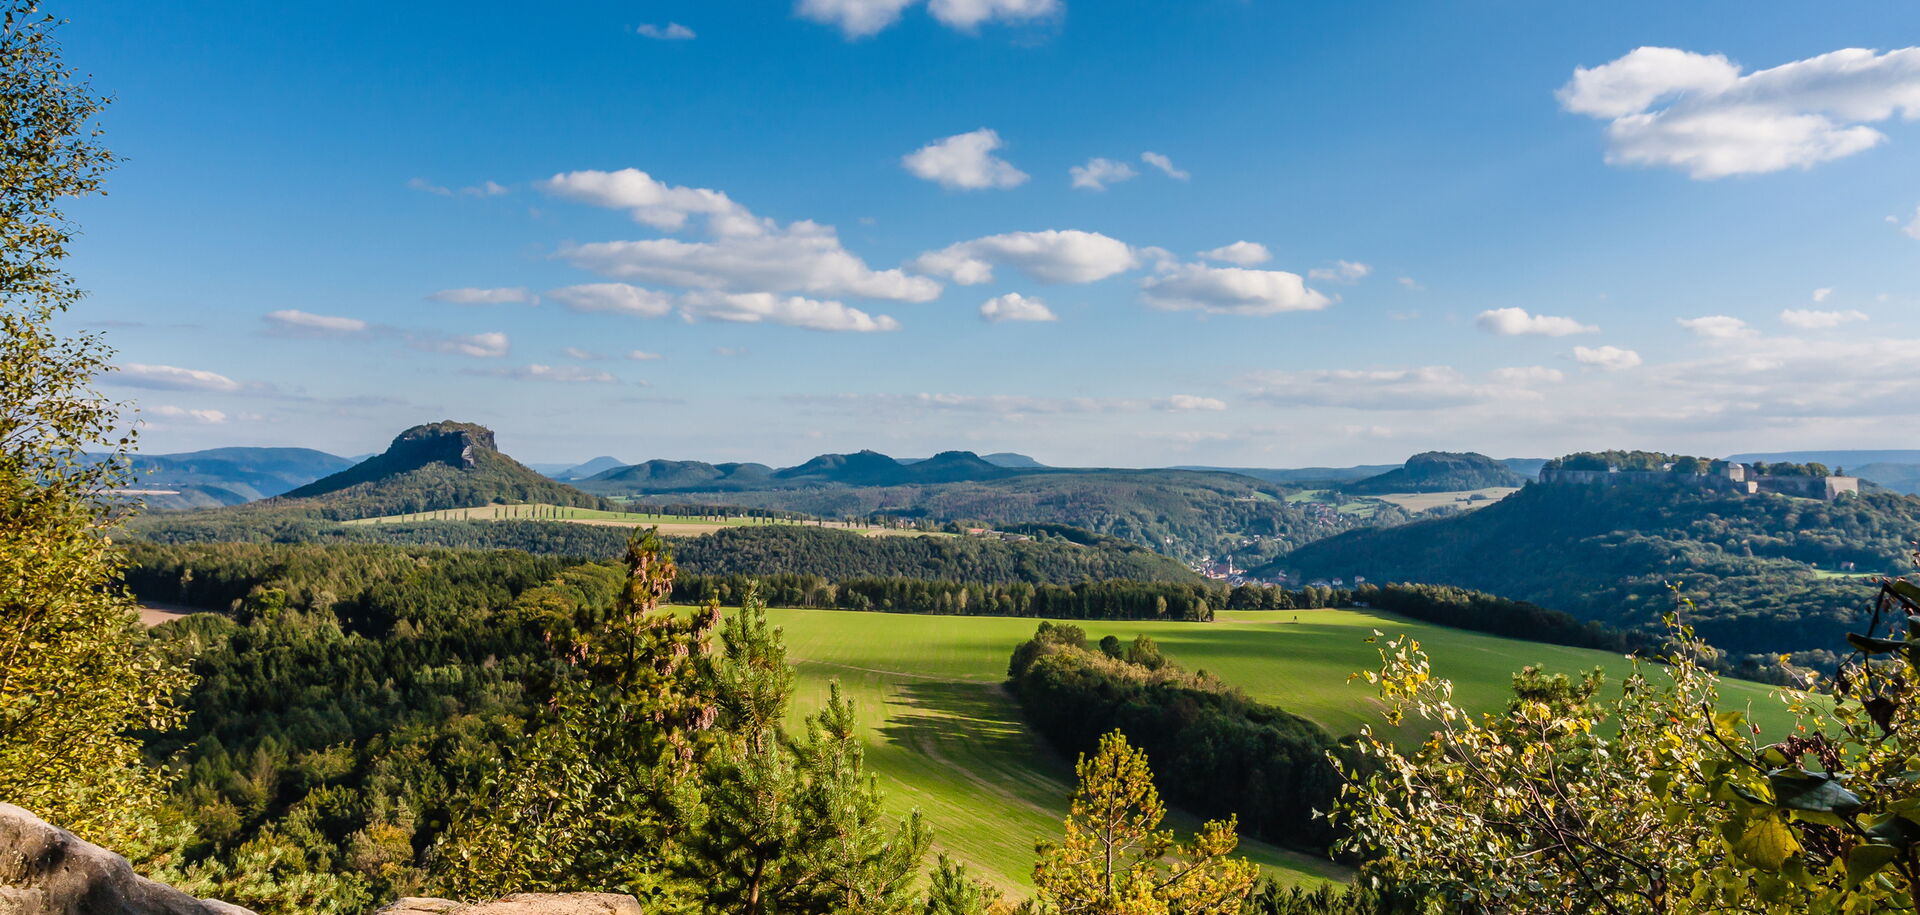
column 945, row 736
column 669, row 525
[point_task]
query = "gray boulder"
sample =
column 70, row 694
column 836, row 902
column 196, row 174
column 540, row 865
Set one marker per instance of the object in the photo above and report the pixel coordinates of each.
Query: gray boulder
column 46, row 870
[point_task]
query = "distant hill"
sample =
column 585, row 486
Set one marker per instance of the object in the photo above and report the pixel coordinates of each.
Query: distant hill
column 430, row 467
column 1897, row 477
column 582, row 471
column 861, row 468
column 1609, row 553
column 1300, row 475
column 232, row 475
column 1526, row 467
column 1439, row 471
column 1008, row 459
column 677, row 476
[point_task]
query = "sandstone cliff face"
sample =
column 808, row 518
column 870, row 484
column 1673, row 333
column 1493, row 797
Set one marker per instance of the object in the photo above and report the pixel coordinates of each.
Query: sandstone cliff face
column 45, row 870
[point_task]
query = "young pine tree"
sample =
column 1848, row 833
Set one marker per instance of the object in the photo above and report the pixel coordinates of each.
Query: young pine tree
column 78, row 677
column 1116, row 860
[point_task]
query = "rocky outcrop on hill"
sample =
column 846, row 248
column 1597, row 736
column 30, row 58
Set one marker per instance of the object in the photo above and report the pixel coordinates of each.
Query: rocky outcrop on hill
column 46, row 870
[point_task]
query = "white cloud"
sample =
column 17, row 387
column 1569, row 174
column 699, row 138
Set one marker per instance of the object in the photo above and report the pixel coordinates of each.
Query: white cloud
column 862, row 18
column 804, row 257
column 1242, row 253
column 490, row 345
column 856, row 18
column 1717, row 327
column 172, row 378
column 1697, row 112
column 483, row 189
column 499, row 295
column 793, row 311
column 1341, row 272
column 672, row 31
column 967, row 15
column 583, row 355
column 1098, row 173
column 1410, row 283
column 663, row 206
column 1052, row 256
column 1015, row 307
column 1820, row 295
column 618, row 298
column 1164, row 164
column 964, row 162
column 207, row 417
column 294, row 321
column 1811, row 319
column 1423, row 388
column 1610, row 358
column 640, row 355
column 1913, row 228
column 1513, row 322
column 1188, row 403
column 561, row 374
column 1528, row 374
column 1229, row 290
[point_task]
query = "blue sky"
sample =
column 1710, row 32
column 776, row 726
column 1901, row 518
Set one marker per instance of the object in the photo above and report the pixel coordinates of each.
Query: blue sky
column 826, row 225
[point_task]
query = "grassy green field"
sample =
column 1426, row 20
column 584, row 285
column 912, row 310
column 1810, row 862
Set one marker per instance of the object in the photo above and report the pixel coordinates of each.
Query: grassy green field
column 668, row 524
column 945, row 737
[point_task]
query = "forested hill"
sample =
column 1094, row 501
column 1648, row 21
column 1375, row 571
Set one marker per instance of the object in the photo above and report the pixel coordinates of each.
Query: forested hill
column 429, row 467
column 1440, row 471
column 1607, row 554
column 838, row 554
column 1182, row 512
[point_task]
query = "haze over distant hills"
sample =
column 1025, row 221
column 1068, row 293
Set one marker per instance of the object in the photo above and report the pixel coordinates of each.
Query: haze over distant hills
column 1439, row 471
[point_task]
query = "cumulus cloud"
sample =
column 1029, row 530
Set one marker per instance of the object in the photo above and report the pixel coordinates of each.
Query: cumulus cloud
column 1820, row 295
column 964, row 162
column 640, row 355
column 1341, row 272
column 490, row 345
column 1700, row 113
column 1610, row 358
column 1015, row 307
column 663, row 206
column 793, row 311
column 672, row 31
column 1812, row 319
column 1229, row 290
column 1165, row 165
column 968, row 15
column 1422, row 388
column 205, row 417
column 862, row 18
column 619, row 298
column 582, row 355
column 1098, row 173
column 1717, row 327
column 1913, row 228
column 560, row 374
column 1514, row 322
column 300, row 323
column 499, row 295
column 1052, row 256
column 1242, row 253
column 804, row 257
column 483, row 189
column 172, row 378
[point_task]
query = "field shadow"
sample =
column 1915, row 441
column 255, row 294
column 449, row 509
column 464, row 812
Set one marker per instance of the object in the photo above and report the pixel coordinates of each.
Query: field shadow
column 954, row 723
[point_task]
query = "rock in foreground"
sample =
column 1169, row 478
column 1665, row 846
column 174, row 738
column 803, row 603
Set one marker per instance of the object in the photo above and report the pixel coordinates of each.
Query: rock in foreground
column 45, row 870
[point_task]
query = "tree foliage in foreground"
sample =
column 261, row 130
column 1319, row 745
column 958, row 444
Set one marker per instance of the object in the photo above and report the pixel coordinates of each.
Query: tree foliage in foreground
column 662, row 770
column 1653, row 800
column 78, row 678
column 1116, row 860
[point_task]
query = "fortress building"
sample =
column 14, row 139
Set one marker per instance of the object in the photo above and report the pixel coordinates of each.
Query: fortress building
column 1723, row 476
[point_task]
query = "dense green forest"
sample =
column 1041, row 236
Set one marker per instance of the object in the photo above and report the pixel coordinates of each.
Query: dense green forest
column 1184, row 513
column 1609, row 554
column 1214, row 750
